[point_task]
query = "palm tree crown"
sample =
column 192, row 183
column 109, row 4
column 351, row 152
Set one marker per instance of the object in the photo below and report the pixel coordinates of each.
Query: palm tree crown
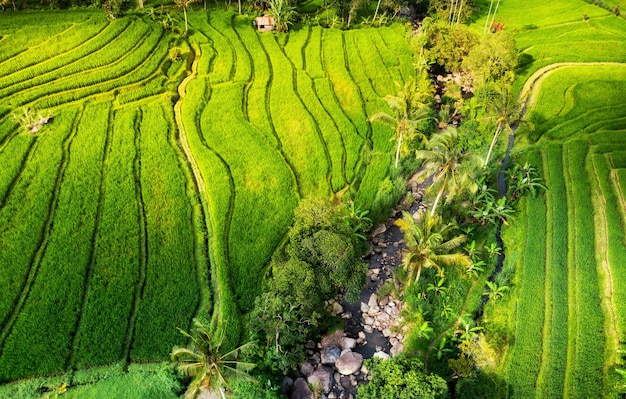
column 204, row 361
column 430, row 243
column 408, row 111
column 452, row 167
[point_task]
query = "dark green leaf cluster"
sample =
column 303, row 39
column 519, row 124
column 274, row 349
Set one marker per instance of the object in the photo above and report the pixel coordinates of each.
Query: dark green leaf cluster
column 318, row 262
column 401, row 378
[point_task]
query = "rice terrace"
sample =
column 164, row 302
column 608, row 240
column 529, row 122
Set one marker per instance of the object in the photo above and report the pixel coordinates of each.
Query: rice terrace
column 313, row 199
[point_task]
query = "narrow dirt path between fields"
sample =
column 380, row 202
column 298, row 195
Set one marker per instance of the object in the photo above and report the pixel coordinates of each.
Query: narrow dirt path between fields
column 534, row 82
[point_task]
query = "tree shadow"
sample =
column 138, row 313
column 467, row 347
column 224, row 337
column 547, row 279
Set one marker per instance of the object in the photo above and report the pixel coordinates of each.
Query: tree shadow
column 524, row 62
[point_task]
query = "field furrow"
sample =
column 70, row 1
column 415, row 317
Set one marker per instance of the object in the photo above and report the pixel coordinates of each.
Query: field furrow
column 302, row 146
column 116, row 258
column 46, row 306
column 552, row 372
column 585, row 368
column 84, row 47
column 525, row 359
column 95, row 129
column 170, row 281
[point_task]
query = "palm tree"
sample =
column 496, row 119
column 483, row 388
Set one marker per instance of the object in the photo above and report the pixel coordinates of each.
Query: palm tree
column 184, row 4
column 204, row 362
column 452, row 167
column 408, row 112
column 283, row 14
column 505, row 111
column 429, row 244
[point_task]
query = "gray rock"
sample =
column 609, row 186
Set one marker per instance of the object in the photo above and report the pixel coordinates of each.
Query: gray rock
column 348, row 343
column 301, row 390
column 380, row 229
column 306, row 369
column 330, row 354
column 386, row 332
column 364, row 307
column 286, row 385
column 382, row 355
column 337, row 308
column 373, row 301
column 349, row 363
column 321, row 377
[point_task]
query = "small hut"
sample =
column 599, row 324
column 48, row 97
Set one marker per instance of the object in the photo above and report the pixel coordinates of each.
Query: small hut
column 264, row 23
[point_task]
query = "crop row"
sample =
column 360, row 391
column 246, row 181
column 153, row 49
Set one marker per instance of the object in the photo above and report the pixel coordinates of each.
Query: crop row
column 101, row 336
column 57, row 44
column 143, row 73
column 381, row 134
column 612, row 207
column 526, row 356
column 325, row 125
column 140, row 51
column 302, row 144
column 223, row 64
column 585, row 360
column 313, row 54
column 170, row 295
column 263, row 191
column 224, row 27
column 43, row 287
column 104, row 49
column 257, row 107
column 603, row 239
column 87, row 39
column 218, row 192
column 554, row 355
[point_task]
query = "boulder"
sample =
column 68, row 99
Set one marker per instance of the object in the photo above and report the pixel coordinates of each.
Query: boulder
column 364, row 307
column 286, row 385
column 337, row 308
column 321, row 377
column 348, row 343
column 330, row 354
column 306, row 369
column 373, row 301
column 333, row 339
column 380, row 229
column 349, row 363
column 301, row 390
column 382, row 355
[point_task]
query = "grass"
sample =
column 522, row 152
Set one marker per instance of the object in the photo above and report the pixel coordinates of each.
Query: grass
column 114, row 238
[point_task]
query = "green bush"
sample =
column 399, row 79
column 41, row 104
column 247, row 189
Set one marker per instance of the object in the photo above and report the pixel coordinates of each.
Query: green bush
column 401, row 378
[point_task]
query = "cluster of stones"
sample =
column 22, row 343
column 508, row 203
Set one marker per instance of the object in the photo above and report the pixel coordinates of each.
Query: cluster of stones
column 333, row 370
column 384, row 315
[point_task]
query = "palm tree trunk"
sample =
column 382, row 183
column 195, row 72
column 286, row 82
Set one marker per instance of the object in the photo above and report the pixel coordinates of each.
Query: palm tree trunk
column 493, row 142
column 419, row 271
column 185, row 12
column 458, row 14
column 452, row 6
column 398, row 148
column 488, row 15
column 376, row 12
column 432, row 211
column 140, row 3
column 495, row 12
column 221, row 388
column 239, row 1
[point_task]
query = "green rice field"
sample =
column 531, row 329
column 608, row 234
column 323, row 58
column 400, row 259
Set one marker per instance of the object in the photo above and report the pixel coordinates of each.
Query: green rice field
column 567, row 312
column 164, row 183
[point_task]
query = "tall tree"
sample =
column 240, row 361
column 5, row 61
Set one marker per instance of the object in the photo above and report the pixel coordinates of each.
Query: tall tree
column 184, row 4
column 505, row 111
column 204, row 361
column 408, row 112
column 452, row 168
column 430, row 243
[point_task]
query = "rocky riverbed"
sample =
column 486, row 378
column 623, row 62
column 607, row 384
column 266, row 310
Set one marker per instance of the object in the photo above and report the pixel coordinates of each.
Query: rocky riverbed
column 372, row 325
